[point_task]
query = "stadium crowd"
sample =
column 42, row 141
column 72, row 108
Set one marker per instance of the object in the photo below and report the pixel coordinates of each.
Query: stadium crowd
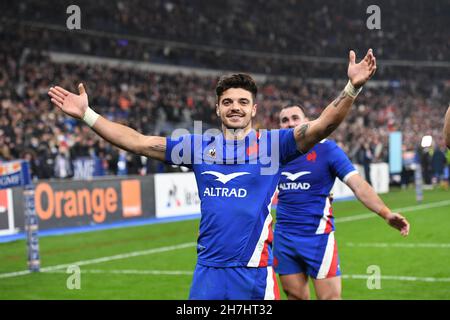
column 313, row 28
column 201, row 34
column 218, row 37
column 30, row 127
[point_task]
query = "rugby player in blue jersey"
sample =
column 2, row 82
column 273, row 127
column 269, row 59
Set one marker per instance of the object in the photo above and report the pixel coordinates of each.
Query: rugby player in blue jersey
column 304, row 242
column 235, row 177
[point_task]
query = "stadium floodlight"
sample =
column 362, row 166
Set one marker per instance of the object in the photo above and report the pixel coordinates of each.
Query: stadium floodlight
column 426, row 141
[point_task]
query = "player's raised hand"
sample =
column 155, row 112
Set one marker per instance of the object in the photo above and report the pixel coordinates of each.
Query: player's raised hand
column 74, row 105
column 359, row 73
column 398, row 222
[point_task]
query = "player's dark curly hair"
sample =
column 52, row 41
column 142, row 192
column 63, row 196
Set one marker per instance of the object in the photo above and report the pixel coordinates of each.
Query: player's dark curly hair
column 239, row 80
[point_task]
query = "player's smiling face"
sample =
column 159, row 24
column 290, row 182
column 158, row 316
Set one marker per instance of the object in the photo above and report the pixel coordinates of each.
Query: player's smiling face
column 292, row 117
column 236, row 108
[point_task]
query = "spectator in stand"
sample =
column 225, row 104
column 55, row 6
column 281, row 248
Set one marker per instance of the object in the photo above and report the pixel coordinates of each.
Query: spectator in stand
column 365, row 157
column 63, row 163
column 425, row 162
column 438, row 162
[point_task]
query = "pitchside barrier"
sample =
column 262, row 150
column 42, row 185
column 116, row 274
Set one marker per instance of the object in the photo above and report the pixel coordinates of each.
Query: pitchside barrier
column 63, row 204
column 79, row 205
column 16, row 174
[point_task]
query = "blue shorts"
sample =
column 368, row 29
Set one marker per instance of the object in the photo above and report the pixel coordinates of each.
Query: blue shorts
column 314, row 255
column 234, row 283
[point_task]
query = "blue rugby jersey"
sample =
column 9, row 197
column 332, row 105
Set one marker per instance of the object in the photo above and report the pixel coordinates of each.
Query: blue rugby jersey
column 305, row 184
column 236, row 224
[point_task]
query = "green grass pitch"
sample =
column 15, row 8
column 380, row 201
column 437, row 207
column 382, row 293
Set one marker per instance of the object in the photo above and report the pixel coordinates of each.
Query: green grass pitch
column 156, row 261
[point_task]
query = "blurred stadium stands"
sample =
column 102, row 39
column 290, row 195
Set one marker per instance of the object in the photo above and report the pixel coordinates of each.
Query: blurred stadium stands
column 299, row 48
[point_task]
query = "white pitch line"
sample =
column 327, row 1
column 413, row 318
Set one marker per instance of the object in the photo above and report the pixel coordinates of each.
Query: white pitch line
column 400, row 245
column 137, row 272
column 190, row 244
column 14, row 274
column 102, row 259
column 180, row 272
column 396, row 278
column 401, row 210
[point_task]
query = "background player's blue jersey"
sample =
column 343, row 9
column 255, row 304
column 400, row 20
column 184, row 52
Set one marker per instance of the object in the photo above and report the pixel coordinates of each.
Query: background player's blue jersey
column 236, row 225
column 305, row 184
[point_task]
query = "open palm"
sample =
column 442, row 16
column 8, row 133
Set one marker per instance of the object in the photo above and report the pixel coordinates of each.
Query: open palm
column 359, row 73
column 72, row 104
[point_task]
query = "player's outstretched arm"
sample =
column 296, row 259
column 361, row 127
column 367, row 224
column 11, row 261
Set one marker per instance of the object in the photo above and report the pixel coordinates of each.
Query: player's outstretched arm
column 367, row 195
column 124, row 137
column 447, row 128
column 310, row 133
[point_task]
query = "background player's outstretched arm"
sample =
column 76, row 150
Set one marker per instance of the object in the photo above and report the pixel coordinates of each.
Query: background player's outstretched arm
column 310, row 133
column 447, row 128
column 367, row 195
column 121, row 136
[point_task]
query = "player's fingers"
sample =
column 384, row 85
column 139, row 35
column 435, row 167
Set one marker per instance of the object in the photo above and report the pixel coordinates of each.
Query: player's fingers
column 373, row 62
column 407, row 228
column 405, row 231
column 56, row 103
column 62, row 90
column 57, row 93
column 369, row 56
column 372, row 71
column 81, row 89
column 56, row 97
column 366, row 58
column 398, row 222
column 404, row 225
column 370, row 62
column 352, row 57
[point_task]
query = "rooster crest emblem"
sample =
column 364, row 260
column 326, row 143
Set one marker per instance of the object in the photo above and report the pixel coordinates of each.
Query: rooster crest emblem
column 212, row 153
